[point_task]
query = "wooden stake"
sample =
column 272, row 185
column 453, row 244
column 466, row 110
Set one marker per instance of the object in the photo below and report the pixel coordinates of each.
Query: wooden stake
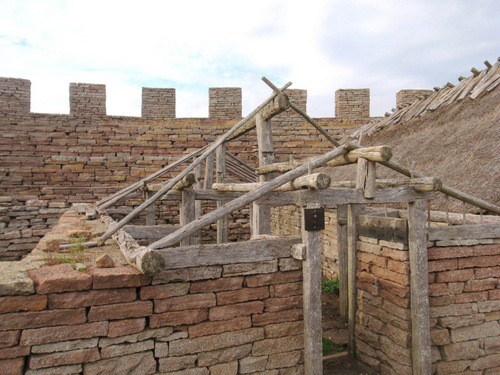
column 419, row 286
column 222, row 230
column 343, row 265
column 311, row 269
column 187, row 214
column 365, row 178
column 352, row 238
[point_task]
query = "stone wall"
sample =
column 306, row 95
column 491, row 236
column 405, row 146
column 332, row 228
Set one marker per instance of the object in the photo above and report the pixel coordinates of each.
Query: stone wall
column 407, row 96
column 86, row 155
column 230, row 318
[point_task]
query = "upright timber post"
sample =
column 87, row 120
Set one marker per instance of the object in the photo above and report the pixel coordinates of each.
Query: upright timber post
column 352, row 237
column 261, row 223
column 343, row 256
column 220, row 169
column 311, row 268
column 187, row 213
column 419, row 288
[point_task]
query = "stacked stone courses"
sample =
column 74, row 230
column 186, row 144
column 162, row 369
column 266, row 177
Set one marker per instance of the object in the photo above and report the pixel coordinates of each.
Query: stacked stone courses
column 86, row 155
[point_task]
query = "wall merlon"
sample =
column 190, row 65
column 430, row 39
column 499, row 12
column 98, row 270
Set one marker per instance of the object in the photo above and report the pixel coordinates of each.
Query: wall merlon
column 408, row 96
column 352, row 104
column 158, row 102
column 15, row 95
column 224, row 103
column 87, row 99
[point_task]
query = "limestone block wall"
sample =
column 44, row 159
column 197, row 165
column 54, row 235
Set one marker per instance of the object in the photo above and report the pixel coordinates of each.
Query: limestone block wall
column 222, row 319
column 407, row 96
column 352, row 104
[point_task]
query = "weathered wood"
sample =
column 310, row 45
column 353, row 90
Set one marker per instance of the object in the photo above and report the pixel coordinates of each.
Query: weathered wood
column 311, row 271
column 156, row 232
column 463, row 232
column 342, row 256
column 426, row 184
column 383, row 228
column 188, row 169
column 196, row 239
column 209, row 171
column 365, row 177
column 375, row 153
column 146, row 260
column 352, row 237
column 259, row 250
column 215, row 195
column 419, row 289
column 261, row 215
column 150, row 211
column 220, row 167
column 315, row 181
column 244, row 200
column 187, row 214
column 298, row 251
column 188, row 181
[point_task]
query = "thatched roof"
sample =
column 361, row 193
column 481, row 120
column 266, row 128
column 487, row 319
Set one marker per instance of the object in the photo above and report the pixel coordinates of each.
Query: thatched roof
column 458, row 142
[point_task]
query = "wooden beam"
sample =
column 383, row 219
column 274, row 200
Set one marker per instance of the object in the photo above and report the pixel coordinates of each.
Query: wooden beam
column 188, row 169
column 352, row 238
column 343, row 257
column 383, row 228
column 365, row 177
column 258, row 250
column 375, row 153
column 419, row 288
column 146, row 260
column 188, row 181
column 156, row 232
column 187, row 214
column 311, row 270
column 315, row 181
column 419, row 184
column 220, row 161
column 209, row 171
column 464, row 232
column 196, row 239
column 244, row 200
column 151, row 211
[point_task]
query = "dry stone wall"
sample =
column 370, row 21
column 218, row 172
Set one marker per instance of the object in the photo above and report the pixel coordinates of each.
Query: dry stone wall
column 230, row 318
column 83, row 156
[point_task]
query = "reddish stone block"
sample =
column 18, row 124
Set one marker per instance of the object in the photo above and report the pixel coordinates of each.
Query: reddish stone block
column 14, row 352
column 488, row 250
column 9, row 338
column 366, row 277
column 454, row 276
column 484, row 273
column 218, row 285
column 22, row 303
column 479, row 262
column 63, row 333
column 399, row 267
column 36, row 319
column 118, row 277
column 398, row 278
column 438, row 289
column 59, row 278
column 135, row 309
column 91, row 298
column 242, row 295
column 236, row 310
column 281, row 304
column 164, row 290
column 401, row 302
column 187, row 302
column 12, row 366
column 126, row 327
column 471, row 297
column 178, row 318
column 449, row 252
column 212, row 328
column 480, row 285
column 273, row 278
column 372, row 259
column 443, row 265
column 276, row 317
column 373, row 289
column 401, row 255
column 64, row 358
column 494, row 294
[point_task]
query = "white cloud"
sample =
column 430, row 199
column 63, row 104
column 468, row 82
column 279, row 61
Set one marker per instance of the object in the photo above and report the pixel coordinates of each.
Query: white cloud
column 193, row 45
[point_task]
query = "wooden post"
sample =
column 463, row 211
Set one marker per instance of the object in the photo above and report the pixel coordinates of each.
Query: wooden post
column 196, row 239
column 221, row 174
column 261, row 215
column 209, row 171
column 365, row 178
column 343, row 256
column 311, row 269
column 419, row 288
column 352, row 237
column 187, row 213
column 150, row 213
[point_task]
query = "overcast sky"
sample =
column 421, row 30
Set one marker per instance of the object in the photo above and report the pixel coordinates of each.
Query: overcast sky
column 321, row 46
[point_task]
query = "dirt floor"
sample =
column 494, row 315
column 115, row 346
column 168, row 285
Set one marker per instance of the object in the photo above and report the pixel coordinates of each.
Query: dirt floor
column 336, row 331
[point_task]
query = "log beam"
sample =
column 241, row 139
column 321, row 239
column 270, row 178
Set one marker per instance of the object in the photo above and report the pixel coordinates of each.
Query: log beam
column 315, row 181
column 426, row 184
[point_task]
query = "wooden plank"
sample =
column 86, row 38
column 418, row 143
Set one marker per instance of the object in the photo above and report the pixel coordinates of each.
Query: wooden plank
column 209, row 171
column 187, row 214
column 150, row 212
column 196, row 238
column 463, row 232
column 220, row 168
column 188, row 169
column 419, row 184
column 419, row 288
column 342, row 254
column 245, row 199
column 156, row 232
column 365, row 177
column 352, row 238
column 311, row 271
column 383, row 228
column 258, row 250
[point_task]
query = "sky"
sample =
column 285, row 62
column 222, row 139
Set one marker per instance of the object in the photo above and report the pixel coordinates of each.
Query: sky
column 192, row 45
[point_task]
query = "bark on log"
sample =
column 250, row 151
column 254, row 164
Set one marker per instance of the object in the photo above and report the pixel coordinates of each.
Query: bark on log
column 419, row 184
column 316, row 181
column 186, row 182
column 375, row 153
